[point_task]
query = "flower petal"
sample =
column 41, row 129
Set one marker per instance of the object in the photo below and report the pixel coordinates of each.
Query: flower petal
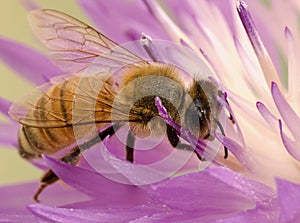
column 15, row 198
column 109, row 191
column 236, row 149
column 254, row 76
column 13, row 202
column 4, row 106
column 288, row 114
column 252, row 189
column 64, row 215
column 275, row 10
column 202, row 200
column 198, row 187
column 288, row 197
column 292, row 147
column 27, row 62
column 265, row 61
column 250, row 216
column 9, row 134
column 141, row 174
column 169, row 26
column 293, row 70
column 29, row 4
column 139, row 213
column 135, row 19
column 267, row 115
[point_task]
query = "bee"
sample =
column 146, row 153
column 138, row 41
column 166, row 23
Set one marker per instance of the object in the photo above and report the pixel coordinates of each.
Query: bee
column 50, row 115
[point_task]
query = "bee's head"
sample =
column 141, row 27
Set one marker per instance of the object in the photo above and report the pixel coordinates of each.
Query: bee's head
column 203, row 110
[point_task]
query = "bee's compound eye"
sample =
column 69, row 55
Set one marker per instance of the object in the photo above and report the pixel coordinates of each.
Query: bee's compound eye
column 196, row 121
column 192, row 119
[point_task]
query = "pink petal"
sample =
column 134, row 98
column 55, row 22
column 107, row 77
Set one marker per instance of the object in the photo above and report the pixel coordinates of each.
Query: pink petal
column 252, row 189
column 30, row 4
column 101, row 187
column 292, row 147
column 201, row 199
column 240, row 152
column 288, row 114
column 203, row 186
column 254, row 75
column 288, row 197
column 141, row 174
column 293, row 72
column 169, row 26
column 9, row 134
column 66, row 215
column 275, row 10
column 227, row 11
column 151, row 212
column 27, row 62
column 15, row 198
column 267, row 115
column 123, row 21
column 4, row 106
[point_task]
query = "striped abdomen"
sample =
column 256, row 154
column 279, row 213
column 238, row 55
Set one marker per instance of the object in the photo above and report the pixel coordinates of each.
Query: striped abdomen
column 49, row 124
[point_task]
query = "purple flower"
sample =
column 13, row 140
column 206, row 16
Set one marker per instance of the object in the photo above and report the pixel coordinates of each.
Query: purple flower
column 244, row 51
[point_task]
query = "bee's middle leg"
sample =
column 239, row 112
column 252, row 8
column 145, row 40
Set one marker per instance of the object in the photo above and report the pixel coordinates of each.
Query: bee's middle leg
column 72, row 158
column 175, row 142
column 130, row 147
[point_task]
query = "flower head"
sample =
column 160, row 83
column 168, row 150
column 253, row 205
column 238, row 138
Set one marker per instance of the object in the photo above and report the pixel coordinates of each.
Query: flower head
column 234, row 45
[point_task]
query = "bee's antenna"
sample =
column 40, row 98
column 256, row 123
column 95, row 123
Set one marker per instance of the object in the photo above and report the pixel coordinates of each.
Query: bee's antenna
column 230, row 115
column 226, row 101
column 149, row 48
column 223, row 133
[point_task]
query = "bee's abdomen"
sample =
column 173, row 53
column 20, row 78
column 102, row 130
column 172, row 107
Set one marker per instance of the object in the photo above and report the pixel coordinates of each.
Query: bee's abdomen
column 36, row 141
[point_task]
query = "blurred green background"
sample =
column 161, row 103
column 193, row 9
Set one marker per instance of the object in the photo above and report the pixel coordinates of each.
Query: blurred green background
column 14, row 25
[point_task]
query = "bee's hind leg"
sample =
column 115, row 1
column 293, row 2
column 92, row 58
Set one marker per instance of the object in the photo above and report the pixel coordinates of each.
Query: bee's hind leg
column 175, row 142
column 72, row 158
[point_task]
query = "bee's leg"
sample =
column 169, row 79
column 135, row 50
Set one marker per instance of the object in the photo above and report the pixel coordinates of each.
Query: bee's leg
column 175, row 142
column 50, row 177
column 130, row 147
column 230, row 116
column 72, row 158
column 223, row 133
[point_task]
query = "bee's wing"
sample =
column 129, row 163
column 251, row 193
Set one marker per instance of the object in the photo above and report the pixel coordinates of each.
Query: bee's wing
column 73, row 99
column 74, row 45
column 68, row 100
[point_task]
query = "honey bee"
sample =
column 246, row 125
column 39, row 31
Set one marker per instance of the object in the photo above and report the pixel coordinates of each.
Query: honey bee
column 49, row 115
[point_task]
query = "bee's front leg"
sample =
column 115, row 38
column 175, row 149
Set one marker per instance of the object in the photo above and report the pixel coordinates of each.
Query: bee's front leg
column 175, row 142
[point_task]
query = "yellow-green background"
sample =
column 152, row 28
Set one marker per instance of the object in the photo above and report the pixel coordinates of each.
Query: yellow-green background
column 13, row 25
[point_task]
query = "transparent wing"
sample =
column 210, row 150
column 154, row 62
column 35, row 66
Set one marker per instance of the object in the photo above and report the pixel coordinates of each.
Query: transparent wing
column 70, row 100
column 74, row 45
column 81, row 97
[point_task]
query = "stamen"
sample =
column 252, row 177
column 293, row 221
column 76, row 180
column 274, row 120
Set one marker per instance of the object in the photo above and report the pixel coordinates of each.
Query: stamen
column 149, row 48
column 264, row 59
